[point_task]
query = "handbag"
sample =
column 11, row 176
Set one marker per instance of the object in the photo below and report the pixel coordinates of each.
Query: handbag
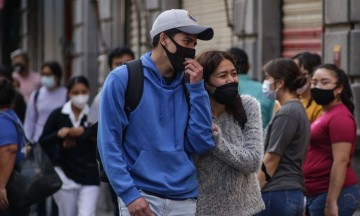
column 34, row 178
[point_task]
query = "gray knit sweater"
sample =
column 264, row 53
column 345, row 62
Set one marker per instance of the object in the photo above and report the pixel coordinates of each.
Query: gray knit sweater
column 228, row 182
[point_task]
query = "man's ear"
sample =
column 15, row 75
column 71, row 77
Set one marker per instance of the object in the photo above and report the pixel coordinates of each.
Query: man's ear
column 249, row 66
column 162, row 40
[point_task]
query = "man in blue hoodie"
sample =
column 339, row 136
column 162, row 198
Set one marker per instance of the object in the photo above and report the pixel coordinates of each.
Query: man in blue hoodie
column 150, row 166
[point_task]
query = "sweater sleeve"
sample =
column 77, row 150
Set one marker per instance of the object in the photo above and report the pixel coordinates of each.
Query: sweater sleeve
column 199, row 137
column 49, row 135
column 112, row 121
column 30, row 117
column 247, row 156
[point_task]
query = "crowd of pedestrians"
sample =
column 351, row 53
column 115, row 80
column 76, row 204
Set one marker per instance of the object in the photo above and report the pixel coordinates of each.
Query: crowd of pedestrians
column 202, row 139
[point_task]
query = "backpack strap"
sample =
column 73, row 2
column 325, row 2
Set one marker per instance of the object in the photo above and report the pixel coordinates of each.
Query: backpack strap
column 36, row 97
column 135, row 85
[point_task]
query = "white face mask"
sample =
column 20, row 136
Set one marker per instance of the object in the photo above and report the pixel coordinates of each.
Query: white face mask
column 48, row 81
column 80, row 100
column 271, row 94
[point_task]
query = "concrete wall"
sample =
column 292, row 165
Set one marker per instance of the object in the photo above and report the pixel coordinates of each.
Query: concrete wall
column 342, row 38
column 85, row 39
column 257, row 25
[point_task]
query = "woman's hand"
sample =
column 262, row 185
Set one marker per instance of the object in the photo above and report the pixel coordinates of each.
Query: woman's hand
column 76, row 132
column 63, row 132
column 331, row 209
column 4, row 203
column 215, row 129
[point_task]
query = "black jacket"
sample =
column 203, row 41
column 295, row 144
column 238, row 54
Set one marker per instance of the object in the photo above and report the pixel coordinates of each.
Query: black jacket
column 79, row 162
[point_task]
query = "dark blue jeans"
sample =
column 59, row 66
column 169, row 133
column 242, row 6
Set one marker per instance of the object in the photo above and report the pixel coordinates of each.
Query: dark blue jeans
column 348, row 201
column 283, row 202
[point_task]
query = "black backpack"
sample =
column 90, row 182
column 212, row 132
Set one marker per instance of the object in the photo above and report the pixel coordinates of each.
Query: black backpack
column 133, row 94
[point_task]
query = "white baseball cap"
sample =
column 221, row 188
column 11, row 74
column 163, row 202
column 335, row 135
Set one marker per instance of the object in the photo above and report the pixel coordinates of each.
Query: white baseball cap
column 181, row 20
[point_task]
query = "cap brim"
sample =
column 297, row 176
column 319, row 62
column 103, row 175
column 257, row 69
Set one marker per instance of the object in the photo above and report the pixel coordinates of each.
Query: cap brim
column 203, row 33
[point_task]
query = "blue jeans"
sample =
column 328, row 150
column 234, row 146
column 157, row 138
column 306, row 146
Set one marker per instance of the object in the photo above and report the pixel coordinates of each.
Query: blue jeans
column 348, row 201
column 283, row 202
column 164, row 207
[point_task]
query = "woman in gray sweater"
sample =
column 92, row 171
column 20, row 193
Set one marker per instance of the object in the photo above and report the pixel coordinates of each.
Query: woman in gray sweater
column 227, row 175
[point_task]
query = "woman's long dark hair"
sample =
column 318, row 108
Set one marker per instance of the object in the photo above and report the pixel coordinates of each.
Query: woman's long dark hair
column 210, row 60
column 342, row 80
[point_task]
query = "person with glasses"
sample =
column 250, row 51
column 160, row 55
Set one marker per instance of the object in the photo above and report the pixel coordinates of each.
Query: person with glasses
column 330, row 181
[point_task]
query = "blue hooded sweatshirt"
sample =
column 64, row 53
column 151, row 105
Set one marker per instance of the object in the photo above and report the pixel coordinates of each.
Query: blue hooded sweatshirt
column 161, row 134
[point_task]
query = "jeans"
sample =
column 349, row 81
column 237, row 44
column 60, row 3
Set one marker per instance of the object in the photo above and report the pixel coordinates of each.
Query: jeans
column 164, row 207
column 348, row 201
column 283, row 202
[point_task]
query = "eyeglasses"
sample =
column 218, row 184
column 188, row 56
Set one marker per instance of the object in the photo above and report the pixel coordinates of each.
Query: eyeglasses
column 322, row 85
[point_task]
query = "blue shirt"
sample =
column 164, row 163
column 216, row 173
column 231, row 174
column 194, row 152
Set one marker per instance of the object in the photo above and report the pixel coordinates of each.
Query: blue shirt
column 9, row 133
column 254, row 88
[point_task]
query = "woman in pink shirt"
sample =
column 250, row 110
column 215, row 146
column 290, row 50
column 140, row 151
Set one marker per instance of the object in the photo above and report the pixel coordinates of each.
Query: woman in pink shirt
column 330, row 181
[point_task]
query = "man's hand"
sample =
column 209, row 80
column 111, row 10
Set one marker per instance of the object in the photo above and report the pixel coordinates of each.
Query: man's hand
column 4, row 203
column 194, row 70
column 140, row 207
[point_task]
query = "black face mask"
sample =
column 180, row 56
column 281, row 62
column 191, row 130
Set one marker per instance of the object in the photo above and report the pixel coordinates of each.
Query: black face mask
column 226, row 94
column 322, row 96
column 177, row 59
column 18, row 67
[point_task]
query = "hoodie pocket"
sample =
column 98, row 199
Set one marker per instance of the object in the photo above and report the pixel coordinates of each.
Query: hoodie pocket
column 169, row 173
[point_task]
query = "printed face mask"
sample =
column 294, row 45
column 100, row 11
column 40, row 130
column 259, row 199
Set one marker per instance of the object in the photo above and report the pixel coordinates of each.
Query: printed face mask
column 226, row 94
column 271, row 94
column 48, row 81
column 322, row 96
column 80, row 101
column 177, row 59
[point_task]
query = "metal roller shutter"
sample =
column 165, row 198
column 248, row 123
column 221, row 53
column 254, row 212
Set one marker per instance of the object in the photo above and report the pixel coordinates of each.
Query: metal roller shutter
column 212, row 13
column 139, row 33
column 302, row 26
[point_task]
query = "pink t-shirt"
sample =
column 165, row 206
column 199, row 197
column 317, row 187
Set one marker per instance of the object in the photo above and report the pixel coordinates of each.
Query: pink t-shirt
column 334, row 126
column 27, row 84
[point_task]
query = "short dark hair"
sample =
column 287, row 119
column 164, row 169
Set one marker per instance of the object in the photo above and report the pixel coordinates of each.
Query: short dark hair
column 7, row 92
column 119, row 51
column 75, row 80
column 308, row 60
column 241, row 60
column 54, row 67
column 171, row 33
column 287, row 70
